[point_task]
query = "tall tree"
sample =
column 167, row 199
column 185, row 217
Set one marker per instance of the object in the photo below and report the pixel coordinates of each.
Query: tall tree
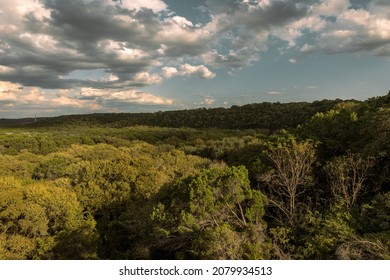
column 291, row 173
column 347, row 175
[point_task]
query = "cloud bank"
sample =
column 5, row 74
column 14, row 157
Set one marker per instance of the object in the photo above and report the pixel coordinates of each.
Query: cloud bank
column 142, row 43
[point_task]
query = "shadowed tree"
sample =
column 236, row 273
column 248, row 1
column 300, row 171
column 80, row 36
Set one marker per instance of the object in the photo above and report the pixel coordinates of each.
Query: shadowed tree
column 213, row 215
column 347, row 175
column 291, row 174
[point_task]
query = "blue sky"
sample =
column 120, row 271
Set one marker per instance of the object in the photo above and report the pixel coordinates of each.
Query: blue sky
column 86, row 56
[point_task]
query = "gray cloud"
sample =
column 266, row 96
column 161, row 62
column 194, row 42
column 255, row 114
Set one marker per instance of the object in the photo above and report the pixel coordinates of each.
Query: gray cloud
column 43, row 41
column 276, row 14
column 64, row 36
column 242, row 28
column 358, row 30
column 233, row 59
column 21, row 101
column 141, row 43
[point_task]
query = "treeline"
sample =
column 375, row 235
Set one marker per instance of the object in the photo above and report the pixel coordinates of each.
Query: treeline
column 16, row 122
column 265, row 115
column 52, row 139
column 319, row 190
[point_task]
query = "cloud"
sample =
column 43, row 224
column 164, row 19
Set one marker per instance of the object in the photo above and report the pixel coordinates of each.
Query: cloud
column 127, row 96
column 137, row 43
column 63, row 101
column 147, row 78
column 208, row 100
column 8, row 91
column 6, row 70
column 155, row 5
column 294, row 30
column 241, row 29
column 179, row 37
column 169, row 72
column 188, row 70
column 43, row 41
column 337, row 27
column 200, row 70
column 357, row 31
column 15, row 99
column 292, row 60
column 331, row 7
column 307, row 48
column 234, row 59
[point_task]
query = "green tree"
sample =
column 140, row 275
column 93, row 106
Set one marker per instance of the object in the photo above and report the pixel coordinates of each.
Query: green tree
column 51, row 168
column 34, row 216
column 197, row 216
column 320, row 234
column 337, row 130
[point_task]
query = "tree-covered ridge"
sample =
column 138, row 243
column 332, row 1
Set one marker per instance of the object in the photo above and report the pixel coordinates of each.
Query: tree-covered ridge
column 264, row 115
column 317, row 190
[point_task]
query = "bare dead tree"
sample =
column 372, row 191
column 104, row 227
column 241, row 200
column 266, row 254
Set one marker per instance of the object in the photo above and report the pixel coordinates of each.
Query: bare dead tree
column 292, row 173
column 347, row 175
column 361, row 249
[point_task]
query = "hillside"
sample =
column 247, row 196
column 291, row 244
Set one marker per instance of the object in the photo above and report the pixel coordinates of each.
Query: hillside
column 256, row 116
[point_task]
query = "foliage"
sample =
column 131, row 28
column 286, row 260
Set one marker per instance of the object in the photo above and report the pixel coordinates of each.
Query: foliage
column 199, row 216
column 34, row 216
column 336, row 130
column 270, row 116
column 375, row 216
column 320, row 234
column 200, row 184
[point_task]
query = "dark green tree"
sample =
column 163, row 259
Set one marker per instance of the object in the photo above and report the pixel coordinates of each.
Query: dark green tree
column 213, row 215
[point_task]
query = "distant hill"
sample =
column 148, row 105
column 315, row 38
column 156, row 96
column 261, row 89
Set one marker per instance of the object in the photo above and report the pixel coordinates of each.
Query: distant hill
column 16, row 122
column 252, row 116
column 266, row 115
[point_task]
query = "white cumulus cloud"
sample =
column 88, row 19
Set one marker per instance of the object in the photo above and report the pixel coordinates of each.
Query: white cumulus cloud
column 187, row 70
column 128, row 96
column 199, row 70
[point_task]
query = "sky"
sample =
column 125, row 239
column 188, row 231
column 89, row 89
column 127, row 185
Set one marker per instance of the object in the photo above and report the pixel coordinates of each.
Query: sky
column 90, row 56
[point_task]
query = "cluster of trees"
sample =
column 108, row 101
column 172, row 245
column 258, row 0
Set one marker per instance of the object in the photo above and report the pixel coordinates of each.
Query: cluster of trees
column 320, row 190
column 264, row 115
column 52, row 139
